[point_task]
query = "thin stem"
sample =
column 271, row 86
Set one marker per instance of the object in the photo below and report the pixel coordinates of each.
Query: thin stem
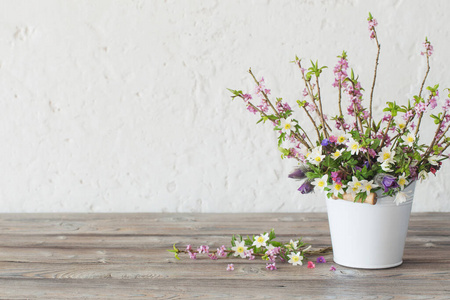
column 307, row 252
column 374, row 79
column 426, row 75
column 385, row 133
column 314, row 123
column 321, row 110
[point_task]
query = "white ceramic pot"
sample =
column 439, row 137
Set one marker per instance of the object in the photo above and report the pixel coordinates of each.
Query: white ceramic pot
column 369, row 236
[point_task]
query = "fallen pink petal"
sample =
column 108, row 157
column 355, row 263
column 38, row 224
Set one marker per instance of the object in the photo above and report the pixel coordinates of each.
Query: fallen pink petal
column 311, row 265
column 332, row 268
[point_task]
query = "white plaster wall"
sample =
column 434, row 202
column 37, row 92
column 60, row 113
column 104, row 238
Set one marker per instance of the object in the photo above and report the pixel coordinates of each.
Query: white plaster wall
column 122, row 105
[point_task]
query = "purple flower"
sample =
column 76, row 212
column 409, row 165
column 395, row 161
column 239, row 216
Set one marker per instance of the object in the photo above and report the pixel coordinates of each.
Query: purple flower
column 321, row 260
column 297, row 174
column 367, row 164
column 325, row 142
column 389, row 182
column 306, row 187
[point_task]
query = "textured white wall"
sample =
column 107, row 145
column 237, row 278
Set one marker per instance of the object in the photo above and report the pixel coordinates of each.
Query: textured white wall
column 122, row 105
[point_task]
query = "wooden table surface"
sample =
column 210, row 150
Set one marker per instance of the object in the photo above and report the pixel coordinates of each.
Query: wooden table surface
column 123, row 256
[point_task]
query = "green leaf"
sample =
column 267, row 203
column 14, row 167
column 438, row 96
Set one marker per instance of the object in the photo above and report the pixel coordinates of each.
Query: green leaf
column 177, row 257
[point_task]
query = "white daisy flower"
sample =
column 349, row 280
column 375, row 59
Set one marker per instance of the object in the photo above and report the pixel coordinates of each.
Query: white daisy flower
column 316, row 156
column 386, row 155
column 342, row 137
column 409, row 140
column 261, row 240
column 400, row 198
column 239, row 249
column 287, row 125
column 354, row 186
column 402, row 181
column 337, row 188
column 353, row 146
column 368, row 186
column 336, row 154
column 401, row 123
column 320, row 183
column 295, row 259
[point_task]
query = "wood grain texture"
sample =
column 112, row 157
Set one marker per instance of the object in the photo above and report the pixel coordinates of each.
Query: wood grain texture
column 123, row 256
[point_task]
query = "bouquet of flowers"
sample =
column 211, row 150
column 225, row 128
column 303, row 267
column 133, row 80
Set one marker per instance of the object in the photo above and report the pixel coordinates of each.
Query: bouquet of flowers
column 351, row 155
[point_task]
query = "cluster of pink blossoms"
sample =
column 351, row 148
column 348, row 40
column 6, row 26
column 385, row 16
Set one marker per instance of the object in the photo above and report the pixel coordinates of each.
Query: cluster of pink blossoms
column 372, row 24
column 428, row 48
column 220, row 252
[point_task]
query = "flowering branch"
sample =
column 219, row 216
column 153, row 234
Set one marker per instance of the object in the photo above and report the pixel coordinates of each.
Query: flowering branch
column 264, row 246
column 372, row 24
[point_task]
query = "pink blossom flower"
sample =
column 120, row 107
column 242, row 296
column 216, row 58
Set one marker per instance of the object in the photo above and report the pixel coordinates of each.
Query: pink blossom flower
column 432, row 103
column 386, row 118
column 221, row 251
column 189, row 248
column 311, row 265
column 409, row 114
column 333, row 268
column 267, row 91
column 311, row 107
column 321, row 260
column 420, row 107
column 212, row 256
column 247, row 97
column 264, row 106
column 252, row 109
column 192, row 255
column 271, row 267
column 230, row 267
column 428, row 48
column 446, row 105
column 333, row 138
column 203, row 249
column 305, row 93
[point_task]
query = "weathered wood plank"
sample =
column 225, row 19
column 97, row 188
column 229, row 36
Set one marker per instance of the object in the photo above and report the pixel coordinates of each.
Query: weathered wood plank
column 122, row 256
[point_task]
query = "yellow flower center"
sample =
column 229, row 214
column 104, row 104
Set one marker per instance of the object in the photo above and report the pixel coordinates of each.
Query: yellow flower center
column 260, row 239
column 355, row 188
column 337, row 187
column 386, row 156
column 337, row 154
column 240, row 249
column 410, row 139
column 402, row 181
column 321, row 183
column 295, row 258
column 287, row 126
column 357, row 184
column 341, row 139
column 401, row 126
column 354, row 147
column 318, row 158
column 368, row 187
